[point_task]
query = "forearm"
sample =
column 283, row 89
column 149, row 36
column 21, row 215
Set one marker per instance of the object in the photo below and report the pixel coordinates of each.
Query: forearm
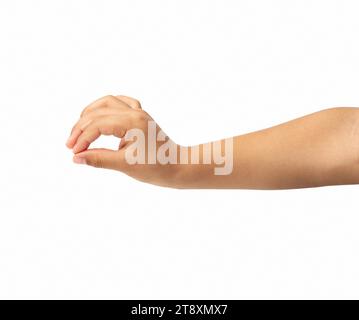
column 315, row 150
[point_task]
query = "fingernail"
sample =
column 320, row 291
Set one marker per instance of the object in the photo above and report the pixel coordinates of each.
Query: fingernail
column 79, row 160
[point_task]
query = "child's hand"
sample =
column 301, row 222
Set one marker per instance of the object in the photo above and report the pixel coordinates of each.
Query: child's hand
column 315, row 150
column 112, row 115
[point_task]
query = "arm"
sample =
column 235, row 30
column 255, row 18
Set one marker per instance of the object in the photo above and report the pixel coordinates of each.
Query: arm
column 315, row 150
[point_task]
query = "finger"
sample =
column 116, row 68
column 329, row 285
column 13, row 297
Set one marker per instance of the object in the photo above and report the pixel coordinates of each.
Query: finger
column 84, row 121
column 106, row 125
column 99, row 103
column 100, row 158
column 133, row 103
column 107, row 101
column 75, row 133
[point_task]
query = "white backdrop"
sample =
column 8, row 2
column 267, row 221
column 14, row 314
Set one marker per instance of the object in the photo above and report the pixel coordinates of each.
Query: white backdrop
column 204, row 70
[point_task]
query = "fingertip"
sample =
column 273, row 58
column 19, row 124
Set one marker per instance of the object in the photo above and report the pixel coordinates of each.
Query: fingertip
column 69, row 143
column 79, row 160
column 73, row 138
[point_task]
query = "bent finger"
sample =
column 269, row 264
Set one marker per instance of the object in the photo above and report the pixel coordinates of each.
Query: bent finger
column 84, row 121
column 104, row 125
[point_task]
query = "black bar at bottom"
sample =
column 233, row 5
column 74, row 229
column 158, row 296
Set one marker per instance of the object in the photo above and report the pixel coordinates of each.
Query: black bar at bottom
column 177, row 309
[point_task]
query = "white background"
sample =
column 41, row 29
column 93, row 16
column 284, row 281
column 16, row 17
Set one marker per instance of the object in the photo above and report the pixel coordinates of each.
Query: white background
column 204, row 70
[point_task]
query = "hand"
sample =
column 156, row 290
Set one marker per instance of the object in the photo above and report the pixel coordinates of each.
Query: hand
column 316, row 150
column 116, row 116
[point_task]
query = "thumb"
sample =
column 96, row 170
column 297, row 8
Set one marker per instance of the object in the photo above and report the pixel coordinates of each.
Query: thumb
column 99, row 158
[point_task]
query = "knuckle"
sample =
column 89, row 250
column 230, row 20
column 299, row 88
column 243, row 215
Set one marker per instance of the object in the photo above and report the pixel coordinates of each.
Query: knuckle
column 136, row 118
column 104, row 101
column 82, row 123
column 139, row 115
column 97, row 161
column 109, row 99
column 134, row 103
column 137, row 103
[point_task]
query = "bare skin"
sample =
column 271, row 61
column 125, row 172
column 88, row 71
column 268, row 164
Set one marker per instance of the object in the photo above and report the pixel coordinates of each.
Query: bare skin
column 316, row 150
